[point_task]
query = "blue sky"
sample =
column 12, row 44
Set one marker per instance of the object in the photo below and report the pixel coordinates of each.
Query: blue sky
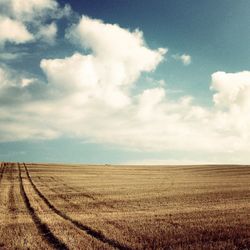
column 156, row 82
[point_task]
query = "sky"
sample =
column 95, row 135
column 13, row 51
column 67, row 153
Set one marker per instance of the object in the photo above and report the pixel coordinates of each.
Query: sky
column 125, row 82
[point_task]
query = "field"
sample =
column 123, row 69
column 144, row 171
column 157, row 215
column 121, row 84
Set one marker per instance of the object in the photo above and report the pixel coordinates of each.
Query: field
column 124, row 207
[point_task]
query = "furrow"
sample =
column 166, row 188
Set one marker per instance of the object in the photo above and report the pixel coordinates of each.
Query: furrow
column 41, row 227
column 90, row 231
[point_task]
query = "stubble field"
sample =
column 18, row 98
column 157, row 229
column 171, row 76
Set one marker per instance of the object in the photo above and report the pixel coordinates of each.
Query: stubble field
column 124, row 207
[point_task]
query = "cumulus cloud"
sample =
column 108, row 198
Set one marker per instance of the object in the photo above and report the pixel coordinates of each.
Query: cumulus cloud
column 107, row 73
column 93, row 86
column 29, row 9
column 89, row 94
column 30, row 20
column 233, row 89
column 16, row 82
column 47, row 33
column 123, row 52
column 149, row 102
column 36, row 10
column 13, row 31
column 185, row 58
column 18, row 119
column 232, row 102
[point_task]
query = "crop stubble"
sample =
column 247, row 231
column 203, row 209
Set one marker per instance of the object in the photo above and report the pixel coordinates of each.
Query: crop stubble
column 124, row 207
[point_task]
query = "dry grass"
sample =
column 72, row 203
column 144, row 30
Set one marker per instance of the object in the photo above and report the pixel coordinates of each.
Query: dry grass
column 124, row 207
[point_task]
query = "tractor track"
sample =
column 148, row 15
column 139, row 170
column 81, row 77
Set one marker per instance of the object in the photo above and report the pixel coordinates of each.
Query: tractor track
column 2, row 171
column 85, row 195
column 64, row 197
column 42, row 228
column 66, row 187
column 11, row 203
column 98, row 235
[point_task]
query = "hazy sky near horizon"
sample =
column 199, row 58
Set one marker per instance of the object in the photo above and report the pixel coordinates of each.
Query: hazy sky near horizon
column 122, row 81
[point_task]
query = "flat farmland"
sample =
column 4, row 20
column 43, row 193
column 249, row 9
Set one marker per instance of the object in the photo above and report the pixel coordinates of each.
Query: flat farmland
column 124, row 207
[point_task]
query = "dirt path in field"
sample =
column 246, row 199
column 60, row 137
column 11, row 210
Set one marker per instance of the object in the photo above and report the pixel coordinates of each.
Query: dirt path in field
column 98, row 235
column 42, row 227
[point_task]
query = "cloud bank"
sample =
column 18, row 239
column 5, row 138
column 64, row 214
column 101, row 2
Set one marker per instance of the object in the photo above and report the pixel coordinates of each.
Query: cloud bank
column 89, row 94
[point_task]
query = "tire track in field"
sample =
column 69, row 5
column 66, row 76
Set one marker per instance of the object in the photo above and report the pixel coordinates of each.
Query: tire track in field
column 67, row 187
column 11, row 202
column 2, row 171
column 86, row 195
column 77, row 206
column 42, row 228
column 98, row 235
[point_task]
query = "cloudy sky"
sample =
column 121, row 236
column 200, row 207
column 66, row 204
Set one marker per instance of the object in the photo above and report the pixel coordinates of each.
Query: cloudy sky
column 122, row 81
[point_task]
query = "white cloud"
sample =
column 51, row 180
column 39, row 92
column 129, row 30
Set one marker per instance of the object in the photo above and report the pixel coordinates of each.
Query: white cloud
column 149, row 121
column 28, row 20
column 29, row 9
column 47, row 33
column 149, row 102
column 233, row 89
column 25, row 82
column 10, row 80
column 13, row 31
column 106, row 74
column 36, row 10
column 185, row 58
column 232, row 99
column 90, row 96
column 122, row 51
column 17, row 95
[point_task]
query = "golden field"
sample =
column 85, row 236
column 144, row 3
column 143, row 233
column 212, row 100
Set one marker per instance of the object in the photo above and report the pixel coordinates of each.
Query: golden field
column 124, row 207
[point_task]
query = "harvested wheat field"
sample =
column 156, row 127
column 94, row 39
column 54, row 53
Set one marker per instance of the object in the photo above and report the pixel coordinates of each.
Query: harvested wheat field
column 124, row 207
